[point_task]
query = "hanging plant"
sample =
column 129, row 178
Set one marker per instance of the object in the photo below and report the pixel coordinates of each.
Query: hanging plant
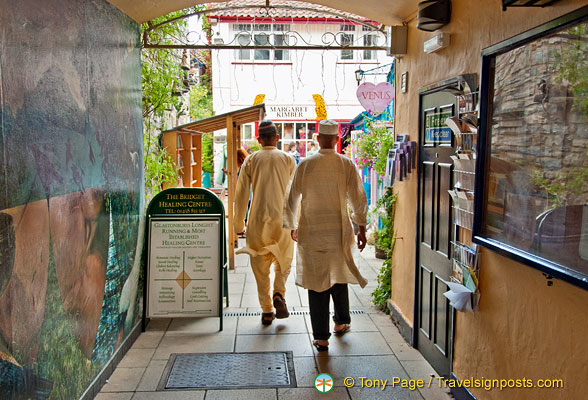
column 371, row 148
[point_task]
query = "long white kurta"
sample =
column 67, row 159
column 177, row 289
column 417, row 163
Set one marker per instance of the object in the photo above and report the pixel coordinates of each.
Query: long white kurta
column 268, row 171
column 324, row 184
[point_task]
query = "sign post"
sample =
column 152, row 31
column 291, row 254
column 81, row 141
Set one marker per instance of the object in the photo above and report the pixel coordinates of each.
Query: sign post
column 186, row 255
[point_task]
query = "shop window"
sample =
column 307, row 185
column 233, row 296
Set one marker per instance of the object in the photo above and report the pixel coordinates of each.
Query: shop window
column 533, row 141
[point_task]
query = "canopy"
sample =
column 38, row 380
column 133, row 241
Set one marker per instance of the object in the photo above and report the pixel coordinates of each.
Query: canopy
column 232, row 122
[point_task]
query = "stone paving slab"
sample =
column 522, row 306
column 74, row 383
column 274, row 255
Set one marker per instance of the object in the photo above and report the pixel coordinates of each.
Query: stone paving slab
column 373, row 348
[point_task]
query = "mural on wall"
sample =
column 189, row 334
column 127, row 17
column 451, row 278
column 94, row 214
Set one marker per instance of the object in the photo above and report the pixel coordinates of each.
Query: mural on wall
column 71, row 201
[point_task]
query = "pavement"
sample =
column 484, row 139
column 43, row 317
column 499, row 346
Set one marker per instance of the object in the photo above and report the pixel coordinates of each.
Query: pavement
column 373, row 349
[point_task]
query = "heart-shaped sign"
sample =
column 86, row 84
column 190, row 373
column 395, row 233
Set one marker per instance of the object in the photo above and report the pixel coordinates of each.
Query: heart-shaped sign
column 375, row 98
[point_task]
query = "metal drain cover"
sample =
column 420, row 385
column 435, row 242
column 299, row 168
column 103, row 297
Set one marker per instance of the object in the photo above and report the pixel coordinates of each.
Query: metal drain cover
column 229, row 371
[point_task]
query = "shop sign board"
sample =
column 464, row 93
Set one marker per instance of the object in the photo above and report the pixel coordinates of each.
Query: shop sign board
column 287, row 112
column 185, row 254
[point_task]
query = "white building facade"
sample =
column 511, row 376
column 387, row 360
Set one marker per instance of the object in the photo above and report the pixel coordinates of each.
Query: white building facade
column 298, row 87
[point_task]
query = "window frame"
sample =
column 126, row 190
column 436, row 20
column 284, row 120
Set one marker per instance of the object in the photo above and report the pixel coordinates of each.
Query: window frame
column 256, row 32
column 550, row 268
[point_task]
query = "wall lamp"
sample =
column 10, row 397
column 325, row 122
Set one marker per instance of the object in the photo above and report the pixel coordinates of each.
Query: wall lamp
column 358, row 75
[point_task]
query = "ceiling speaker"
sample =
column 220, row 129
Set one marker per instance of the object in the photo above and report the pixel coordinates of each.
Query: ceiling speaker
column 433, row 14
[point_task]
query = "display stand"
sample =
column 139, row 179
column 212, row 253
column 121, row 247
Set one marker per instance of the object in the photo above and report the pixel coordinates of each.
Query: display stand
column 186, row 268
column 465, row 254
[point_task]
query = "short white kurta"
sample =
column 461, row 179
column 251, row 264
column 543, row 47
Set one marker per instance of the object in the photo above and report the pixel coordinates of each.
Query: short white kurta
column 324, row 184
column 268, row 171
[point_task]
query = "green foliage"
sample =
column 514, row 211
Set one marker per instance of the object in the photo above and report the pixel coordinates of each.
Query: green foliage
column 571, row 65
column 382, row 293
column 371, row 148
column 385, row 241
column 161, row 68
column 200, row 103
column 207, row 153
column 159, row 168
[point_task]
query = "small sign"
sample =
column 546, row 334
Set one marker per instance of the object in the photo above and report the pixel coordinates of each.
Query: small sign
column 186, row 255
column 183, row 267
column 375, row 98
column 302, row 112
column 404, row 82
column 436, row 131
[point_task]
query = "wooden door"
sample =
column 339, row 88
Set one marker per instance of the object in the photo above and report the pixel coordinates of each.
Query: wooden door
column 433, row 319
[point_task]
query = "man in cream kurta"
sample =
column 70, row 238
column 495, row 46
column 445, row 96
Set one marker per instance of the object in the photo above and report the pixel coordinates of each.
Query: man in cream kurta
column 268, row 171
column 324, row 184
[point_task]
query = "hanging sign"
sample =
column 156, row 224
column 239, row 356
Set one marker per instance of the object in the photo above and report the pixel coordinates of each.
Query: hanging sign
column 375, row 98
column 186, row 254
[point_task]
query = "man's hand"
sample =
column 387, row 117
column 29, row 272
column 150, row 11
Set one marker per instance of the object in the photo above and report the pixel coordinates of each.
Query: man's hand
column 361, row 239
column 294, row 235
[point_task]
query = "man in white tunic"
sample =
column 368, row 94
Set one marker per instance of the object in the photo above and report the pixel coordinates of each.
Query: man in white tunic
column 324, row 184
column 268, row 172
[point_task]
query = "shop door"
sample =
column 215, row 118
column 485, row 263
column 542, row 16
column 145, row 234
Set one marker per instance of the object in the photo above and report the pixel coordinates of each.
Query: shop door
column 435, row 229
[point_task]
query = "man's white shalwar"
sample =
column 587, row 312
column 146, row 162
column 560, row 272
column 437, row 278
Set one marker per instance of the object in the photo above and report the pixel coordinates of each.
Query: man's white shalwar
column 268, row 171
column 324, row 184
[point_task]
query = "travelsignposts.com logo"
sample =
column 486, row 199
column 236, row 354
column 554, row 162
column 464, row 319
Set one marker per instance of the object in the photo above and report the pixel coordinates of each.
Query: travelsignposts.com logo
column 323, row 383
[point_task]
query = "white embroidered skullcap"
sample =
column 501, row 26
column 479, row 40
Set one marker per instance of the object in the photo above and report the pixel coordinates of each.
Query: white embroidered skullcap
column 328, row 127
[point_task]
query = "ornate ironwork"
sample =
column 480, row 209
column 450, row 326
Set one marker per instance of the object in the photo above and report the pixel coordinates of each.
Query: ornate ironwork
column 290, row 39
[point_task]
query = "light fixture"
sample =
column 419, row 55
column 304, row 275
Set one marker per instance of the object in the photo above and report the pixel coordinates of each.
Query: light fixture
column 358, row 76
column 433, row 14
column 437, row 42
column 217, row 39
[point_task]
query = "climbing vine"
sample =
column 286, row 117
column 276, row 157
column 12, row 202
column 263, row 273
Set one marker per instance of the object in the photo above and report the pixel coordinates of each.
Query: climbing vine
column 385, row 240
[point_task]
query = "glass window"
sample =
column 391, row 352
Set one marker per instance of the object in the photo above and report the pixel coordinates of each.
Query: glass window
column 346, row 40
column 243, row 39
column 288, row 130
column 262, row 27
column 369, row 40
column 262, row 35
column 280, row 40
column 535, row 144
column 241, row 27
column 246, row 132
column 261, row 39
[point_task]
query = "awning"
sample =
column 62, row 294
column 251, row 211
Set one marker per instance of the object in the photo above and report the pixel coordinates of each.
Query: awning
column 218, row 122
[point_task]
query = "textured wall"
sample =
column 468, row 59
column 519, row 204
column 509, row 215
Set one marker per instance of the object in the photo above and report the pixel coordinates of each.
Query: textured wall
column 71, row 191
column 513, row 295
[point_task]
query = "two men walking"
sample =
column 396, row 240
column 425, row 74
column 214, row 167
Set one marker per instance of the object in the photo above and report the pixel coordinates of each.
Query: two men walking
column 323, row 186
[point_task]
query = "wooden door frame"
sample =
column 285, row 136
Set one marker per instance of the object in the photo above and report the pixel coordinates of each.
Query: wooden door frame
column 470, row 80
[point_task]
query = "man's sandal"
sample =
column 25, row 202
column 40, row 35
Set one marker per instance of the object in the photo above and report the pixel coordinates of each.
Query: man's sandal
column 345, row 328
column 320, row 347
column 280, row 306
column 267, row 318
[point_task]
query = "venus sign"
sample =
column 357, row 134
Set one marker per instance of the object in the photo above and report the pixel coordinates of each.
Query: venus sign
column 375, row 98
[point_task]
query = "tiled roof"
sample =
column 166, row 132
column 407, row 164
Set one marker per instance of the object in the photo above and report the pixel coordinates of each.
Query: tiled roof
column 257, row 9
